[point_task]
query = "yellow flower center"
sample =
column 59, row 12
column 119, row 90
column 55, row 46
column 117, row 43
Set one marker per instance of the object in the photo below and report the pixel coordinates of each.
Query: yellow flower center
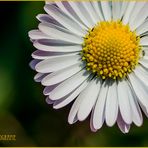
column 111, row 50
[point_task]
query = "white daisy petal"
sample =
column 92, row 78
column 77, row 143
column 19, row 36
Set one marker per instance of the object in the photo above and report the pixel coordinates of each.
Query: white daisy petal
column 91, row 11
column 36, row 34
column 53, row 47
column 145, row 58
column 82, row 13
column 85, row 8
column 116, row 8
column 67, row 9
column 98, row 113
column 63, row 19
column 91, row 123
column 88, row 97
column 77, row 106
column 111, row 107
column 144, row 109
column 61, row 75
column 39, row 76
column 97, row 8
column 142, row 28
column 43, row 55
column 73, row 95
column 60, row 4
column 124, row 127
column 124, row 104
column 145, row 53
column 33, row 63
column 106, row 10
column 48, row 101
column 140, row 91
column 69, row 85
column 144, row 41
column 145, row 50
column 123, row 8
column 45, row 18
column 55, row 42
column 140, row 18
column 136, row 112
column 142, row 74
column 137, row 8
column 48, row 89
column 50, row 65
column 72, row 117
column 128, row 12
column 59, row 33
column 144, row 62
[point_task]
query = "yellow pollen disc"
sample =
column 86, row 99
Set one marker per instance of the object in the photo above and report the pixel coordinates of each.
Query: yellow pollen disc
column 111, row 50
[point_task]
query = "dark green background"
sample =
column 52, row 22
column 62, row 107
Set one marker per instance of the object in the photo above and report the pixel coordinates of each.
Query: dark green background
column 23, row 110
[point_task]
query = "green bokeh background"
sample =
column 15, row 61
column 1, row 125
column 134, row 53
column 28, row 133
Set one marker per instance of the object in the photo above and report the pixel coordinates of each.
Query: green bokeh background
column 23, row 110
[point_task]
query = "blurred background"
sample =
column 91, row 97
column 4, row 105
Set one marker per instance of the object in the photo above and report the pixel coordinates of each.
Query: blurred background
column 23, row 110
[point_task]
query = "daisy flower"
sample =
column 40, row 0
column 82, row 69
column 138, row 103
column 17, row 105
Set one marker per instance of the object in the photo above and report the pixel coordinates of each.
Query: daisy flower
column 94, row 54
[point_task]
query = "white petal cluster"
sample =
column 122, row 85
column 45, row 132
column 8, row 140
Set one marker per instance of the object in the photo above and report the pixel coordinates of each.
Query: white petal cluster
column 57, row 60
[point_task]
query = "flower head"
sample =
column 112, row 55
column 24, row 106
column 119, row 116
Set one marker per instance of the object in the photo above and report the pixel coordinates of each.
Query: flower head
column 95, row 54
